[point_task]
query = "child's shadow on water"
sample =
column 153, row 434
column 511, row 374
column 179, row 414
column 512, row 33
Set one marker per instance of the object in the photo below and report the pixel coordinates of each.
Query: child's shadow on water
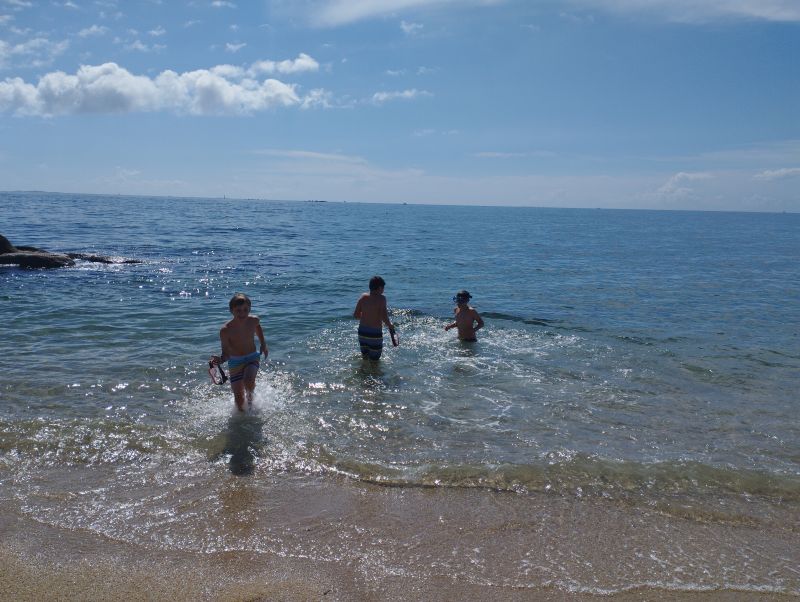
column 369, row 371
column 369, row 375
column 242, row 440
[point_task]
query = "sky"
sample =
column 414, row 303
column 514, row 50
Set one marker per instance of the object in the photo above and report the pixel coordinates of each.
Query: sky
column 651, row 104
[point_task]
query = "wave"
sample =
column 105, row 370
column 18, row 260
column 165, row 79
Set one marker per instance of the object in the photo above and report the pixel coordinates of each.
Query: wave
column 41, row 443
column 70, row 442
column 512, row 318
column 578, row 475
column 92, row 442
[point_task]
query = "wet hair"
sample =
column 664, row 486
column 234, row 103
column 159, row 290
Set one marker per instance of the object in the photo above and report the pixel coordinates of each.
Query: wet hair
column 463, row 296
column 376, row 282
column 238, row 299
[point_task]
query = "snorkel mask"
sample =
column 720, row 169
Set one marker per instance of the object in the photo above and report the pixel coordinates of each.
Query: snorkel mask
column 462, row 297
column 217, row 374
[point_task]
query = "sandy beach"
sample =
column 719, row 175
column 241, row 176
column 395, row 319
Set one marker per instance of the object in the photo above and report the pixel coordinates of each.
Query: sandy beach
column 338, row 540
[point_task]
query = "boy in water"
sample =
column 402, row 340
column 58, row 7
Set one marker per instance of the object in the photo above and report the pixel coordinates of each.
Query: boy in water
column 372, row 313
column 468, row 320
column 239, row 349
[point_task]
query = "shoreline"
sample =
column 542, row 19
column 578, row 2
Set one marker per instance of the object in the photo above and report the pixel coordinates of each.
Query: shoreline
column 312, row 538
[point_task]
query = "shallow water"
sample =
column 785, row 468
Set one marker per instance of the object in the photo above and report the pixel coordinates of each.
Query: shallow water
column 647, row 360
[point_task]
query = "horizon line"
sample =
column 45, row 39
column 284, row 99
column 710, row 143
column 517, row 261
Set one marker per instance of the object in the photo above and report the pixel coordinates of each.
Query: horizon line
column 431, row 204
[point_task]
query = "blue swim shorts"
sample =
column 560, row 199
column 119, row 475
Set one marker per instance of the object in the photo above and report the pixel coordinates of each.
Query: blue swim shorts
column 371, row 342
column 238, row 363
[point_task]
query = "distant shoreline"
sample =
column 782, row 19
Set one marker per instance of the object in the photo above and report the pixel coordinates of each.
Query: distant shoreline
column 399, row 203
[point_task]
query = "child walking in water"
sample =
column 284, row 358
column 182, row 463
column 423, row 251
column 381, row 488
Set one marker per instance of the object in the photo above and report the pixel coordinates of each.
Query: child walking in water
column 468, row 321
column 372, row 313
column 239, row 349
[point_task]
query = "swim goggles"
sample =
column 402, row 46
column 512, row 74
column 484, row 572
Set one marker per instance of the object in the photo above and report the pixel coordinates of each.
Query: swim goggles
column 217, row 374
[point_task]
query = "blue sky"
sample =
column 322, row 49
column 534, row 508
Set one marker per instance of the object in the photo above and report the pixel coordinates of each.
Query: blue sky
column 666, row 104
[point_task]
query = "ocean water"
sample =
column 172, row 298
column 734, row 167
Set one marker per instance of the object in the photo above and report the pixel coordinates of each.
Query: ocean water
column 635, row 364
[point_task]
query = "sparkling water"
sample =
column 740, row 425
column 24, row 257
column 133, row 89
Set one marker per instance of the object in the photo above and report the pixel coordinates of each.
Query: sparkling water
column 646, row 359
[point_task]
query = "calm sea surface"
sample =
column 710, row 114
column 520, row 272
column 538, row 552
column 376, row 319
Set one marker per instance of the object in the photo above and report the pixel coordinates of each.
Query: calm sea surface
column 649, row 358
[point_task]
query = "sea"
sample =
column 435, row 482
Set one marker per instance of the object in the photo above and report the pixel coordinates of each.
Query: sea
column 627, row 421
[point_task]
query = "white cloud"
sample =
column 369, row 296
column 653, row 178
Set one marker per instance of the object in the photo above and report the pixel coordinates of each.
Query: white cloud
column 678, row 186
column 383, row 97
column 748, row 158
column 223, row 4
column 576, row 19
column 317, row 98
column 694, row 11
column 94, row 30
column 229, row 71
column 124, row 174
column 157, row 32
column 430, row 132
column 139, row 46
column 36, row 52
column 116, row 15
column 303, row 62
column 332, row 13
column 410, row 28
column 234, row 48
column 498, row 155
column 778, row 174
column 109, row 88
column 313, row 155
column 6, row 19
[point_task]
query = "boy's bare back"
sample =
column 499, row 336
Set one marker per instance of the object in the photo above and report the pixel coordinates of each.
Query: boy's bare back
column 371, row 310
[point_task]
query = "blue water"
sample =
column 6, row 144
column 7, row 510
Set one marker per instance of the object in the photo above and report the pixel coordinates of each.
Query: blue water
column 630, row 355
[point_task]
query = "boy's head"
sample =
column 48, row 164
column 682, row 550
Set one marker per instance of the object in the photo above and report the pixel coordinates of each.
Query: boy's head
column 462, row 297
column 376, row 283
column 238, row 300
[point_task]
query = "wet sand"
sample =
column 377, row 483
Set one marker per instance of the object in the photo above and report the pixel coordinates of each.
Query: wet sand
column 324, row 539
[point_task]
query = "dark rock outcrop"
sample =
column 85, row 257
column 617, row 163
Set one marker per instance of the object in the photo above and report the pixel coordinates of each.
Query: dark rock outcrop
column 33, row 258
column 6, row 246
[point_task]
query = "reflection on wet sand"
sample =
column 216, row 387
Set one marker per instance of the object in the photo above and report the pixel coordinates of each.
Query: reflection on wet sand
column 242, row 440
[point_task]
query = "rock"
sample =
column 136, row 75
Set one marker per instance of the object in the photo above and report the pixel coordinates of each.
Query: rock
column 34, row 258
column 6, row 246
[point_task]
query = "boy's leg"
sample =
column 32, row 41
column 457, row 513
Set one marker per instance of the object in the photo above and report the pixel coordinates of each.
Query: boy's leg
column 250, row 374
column 238, row 389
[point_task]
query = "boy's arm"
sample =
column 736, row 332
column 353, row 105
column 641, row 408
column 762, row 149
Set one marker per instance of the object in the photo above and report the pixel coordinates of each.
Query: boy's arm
column 454, row 324
column 385, row 317
column 260, row 333
column 357, row 312
column 477, row 317
column 221, row 359
column 389, row 325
